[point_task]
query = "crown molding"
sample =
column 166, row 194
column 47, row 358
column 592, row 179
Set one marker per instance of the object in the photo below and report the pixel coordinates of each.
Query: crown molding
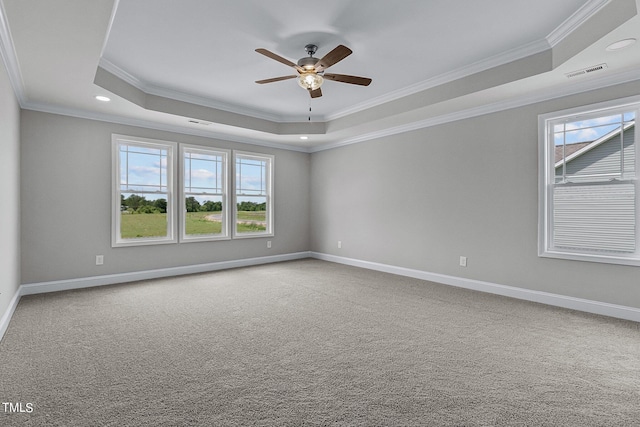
column 502, row 58
column 540, row 96
column 149, row 124
column 112, row 18
column 576, row 20
column 151, row 89
column 476, row 67
column 8, row 54
column 7, row 51
column 122, row 74
column 211, row 103
column 556, row 36
column 533, row 48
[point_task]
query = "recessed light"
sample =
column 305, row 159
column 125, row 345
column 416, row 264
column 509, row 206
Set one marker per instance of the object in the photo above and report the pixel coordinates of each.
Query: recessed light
column 103, row 98
column 621, row 44
column 304, row 137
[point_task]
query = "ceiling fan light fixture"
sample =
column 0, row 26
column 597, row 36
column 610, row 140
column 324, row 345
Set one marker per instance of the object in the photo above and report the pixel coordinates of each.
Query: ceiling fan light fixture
column 311, row 71
column 310, row 81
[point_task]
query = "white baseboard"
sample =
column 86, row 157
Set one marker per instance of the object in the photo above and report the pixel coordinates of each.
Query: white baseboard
column 112, row 279
column 589, row 306
column 6, row 317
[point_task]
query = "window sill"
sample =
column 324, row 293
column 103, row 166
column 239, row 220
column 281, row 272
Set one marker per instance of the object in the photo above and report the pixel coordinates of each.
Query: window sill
column 204, row 239
column 251, row 235
column 126, row 244
column 631, row 260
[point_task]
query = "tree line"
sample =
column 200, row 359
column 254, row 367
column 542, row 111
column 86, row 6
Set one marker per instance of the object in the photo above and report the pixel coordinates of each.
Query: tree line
column 140, row 205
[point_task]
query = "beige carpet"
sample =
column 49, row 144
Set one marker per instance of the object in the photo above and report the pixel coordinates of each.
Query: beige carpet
column 313, row 343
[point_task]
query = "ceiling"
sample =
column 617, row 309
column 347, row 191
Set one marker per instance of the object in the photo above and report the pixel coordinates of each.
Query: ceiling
column 166, row 64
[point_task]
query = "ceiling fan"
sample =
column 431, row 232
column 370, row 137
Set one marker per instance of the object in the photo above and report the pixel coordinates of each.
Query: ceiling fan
column 311, row 71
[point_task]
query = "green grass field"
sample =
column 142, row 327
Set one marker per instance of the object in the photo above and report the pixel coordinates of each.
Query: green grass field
column 155, row 225
column 143, row 225
column 196, row 223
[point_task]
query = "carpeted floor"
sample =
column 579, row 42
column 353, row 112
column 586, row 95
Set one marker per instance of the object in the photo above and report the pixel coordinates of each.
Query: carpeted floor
column 312, row 343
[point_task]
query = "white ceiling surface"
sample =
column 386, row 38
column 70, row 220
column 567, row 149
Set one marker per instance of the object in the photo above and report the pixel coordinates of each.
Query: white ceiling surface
column 202, row 52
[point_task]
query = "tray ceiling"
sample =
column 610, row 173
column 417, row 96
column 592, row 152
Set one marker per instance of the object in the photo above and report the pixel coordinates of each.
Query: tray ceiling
column 168, row 64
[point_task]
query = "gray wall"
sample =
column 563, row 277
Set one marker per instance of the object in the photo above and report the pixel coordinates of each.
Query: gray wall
column 66, row 203
column 417, row 200
column 422, row 199
column 10, row 179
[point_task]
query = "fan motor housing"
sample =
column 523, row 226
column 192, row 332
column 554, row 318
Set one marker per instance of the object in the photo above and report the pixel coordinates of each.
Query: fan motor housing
column 308, row 62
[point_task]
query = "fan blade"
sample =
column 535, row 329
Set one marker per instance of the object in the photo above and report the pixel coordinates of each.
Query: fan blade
column 333, row 57
column 343, row 78
column 275, row 79
column 315, row 93
column 279, row 58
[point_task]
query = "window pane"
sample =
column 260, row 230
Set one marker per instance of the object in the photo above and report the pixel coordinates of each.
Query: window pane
column 597, row 149
column 143, row 193
column 143, row 216
column 251, row 176
column 204, row 193
column 253, row 198
column 143, row 169
column 204, row 215
column 203, row 173
column 251, row 215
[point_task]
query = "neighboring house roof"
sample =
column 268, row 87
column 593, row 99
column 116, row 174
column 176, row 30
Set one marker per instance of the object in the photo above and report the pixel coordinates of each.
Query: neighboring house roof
column 569, row 149
column 575, row 150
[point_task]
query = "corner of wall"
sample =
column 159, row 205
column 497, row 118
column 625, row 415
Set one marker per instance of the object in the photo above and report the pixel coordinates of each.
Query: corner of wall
column 10, row 213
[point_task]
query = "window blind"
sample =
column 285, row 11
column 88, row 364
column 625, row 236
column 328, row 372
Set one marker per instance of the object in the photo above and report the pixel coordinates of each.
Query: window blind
column 595, row 217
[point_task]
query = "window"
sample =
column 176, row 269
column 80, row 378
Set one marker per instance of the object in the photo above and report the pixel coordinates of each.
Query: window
column 253, row 215
column 146, row 206
column 143, row 188
column 588, row 188
column 204, row 194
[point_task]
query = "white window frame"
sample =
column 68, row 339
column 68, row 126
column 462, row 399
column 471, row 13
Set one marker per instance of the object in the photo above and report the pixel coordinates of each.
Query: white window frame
column 269, row 195
column 225, row 154
column 546, row 175
column 171, row 147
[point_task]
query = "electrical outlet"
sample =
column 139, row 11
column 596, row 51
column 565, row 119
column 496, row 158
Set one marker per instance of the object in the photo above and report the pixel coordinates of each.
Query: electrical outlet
column 339, row 244
column 99, row 259
column 268, row 244
column 463, row 261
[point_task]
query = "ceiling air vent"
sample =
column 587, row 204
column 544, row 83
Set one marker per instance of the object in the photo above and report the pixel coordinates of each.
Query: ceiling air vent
column 587, row 70
column 199, row 122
